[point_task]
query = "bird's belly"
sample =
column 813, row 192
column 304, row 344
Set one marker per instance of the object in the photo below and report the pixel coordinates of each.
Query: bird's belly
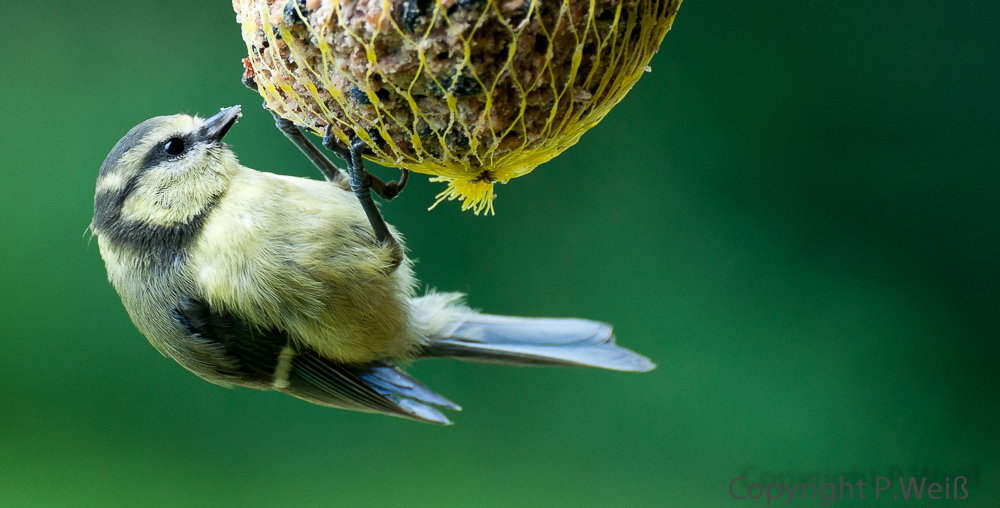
column 297, row 265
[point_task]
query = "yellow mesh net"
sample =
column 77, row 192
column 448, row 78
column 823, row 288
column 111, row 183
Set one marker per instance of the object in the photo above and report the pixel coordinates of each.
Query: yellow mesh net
column 474, row 92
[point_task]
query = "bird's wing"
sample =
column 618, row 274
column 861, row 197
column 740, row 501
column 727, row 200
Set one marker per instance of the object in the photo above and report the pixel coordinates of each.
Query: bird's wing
column 266, row 359
column 377, row 387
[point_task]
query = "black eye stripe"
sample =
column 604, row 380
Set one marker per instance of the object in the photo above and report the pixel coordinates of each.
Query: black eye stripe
column 165, row 150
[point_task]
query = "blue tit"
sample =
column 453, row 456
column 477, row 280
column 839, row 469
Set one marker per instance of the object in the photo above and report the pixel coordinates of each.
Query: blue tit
column 273, row 282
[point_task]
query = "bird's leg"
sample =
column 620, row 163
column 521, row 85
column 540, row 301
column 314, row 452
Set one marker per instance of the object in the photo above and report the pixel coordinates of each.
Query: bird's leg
column 385, row 190
column 390, row 189
column 361, row 183
column 295, row 135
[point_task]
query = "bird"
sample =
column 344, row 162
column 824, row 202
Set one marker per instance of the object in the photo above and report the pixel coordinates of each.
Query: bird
column 273, row 282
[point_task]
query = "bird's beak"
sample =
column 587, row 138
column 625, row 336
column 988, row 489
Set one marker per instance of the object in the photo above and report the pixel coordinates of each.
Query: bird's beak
column 218, row 125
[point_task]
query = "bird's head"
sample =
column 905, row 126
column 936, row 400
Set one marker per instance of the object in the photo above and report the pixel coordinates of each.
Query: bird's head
column 162, row 178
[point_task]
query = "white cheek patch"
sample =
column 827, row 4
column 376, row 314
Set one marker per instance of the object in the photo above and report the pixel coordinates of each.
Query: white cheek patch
column 158, row 199
column 173, row 192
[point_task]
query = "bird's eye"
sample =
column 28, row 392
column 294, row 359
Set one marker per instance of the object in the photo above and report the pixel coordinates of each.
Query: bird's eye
column 174, row 146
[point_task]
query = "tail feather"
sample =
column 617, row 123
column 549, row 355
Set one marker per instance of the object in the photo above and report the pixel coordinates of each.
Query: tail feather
column 534, row 341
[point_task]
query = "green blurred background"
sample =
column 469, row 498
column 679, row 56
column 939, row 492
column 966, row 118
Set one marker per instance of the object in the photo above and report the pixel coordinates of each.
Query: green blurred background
column 795, row 214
